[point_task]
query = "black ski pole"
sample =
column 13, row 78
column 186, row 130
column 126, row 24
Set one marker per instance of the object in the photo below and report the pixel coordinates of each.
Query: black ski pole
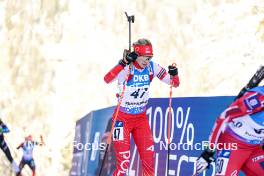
column 102, row 165
column 169, row 125
column 130, row 19
column 253, row 82
column 109, row 139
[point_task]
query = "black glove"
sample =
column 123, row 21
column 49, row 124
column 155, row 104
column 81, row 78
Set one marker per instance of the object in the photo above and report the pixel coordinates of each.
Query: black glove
column 242, row 92
column 128, row 57
column 203, row 162
column 131, row 57
column 173, row 70
column 208, row 155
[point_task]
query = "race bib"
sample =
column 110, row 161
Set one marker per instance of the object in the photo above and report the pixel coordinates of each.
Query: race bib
column 222, row 162
column 135, row 96
column 118, row 132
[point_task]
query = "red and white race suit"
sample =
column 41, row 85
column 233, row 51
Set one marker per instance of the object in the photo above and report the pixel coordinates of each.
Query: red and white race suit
column 132, row 119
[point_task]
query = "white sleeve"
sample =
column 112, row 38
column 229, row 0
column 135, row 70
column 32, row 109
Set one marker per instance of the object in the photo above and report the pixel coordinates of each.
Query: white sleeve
column 161, row 73
column 122, row 76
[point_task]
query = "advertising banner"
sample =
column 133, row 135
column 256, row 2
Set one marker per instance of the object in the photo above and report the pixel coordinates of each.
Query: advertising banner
column 192, row 120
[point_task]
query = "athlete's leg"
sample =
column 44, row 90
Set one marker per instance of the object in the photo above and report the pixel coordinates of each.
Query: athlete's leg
column 144, row 142
column 5, row 149
column 121, row 140
column 15, row 167
column 255, row 164
column 7, row 152
column 32, row 166
column 21, row 164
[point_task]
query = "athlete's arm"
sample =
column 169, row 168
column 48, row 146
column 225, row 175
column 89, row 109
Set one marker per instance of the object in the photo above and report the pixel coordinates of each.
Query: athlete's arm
column 165, row 77
column 18, row 147
column 123, row 63
column 112, row 74
column 252, row 102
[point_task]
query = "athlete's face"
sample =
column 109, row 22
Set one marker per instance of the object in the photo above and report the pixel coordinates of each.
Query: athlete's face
column 143, row 61
column 28, row 138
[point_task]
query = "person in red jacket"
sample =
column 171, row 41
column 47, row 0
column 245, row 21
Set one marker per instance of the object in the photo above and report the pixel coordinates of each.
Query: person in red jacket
column 238, row 138
column 136, row 71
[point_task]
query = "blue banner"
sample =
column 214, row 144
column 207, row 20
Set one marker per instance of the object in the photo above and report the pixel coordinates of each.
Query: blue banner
column 192, row 120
